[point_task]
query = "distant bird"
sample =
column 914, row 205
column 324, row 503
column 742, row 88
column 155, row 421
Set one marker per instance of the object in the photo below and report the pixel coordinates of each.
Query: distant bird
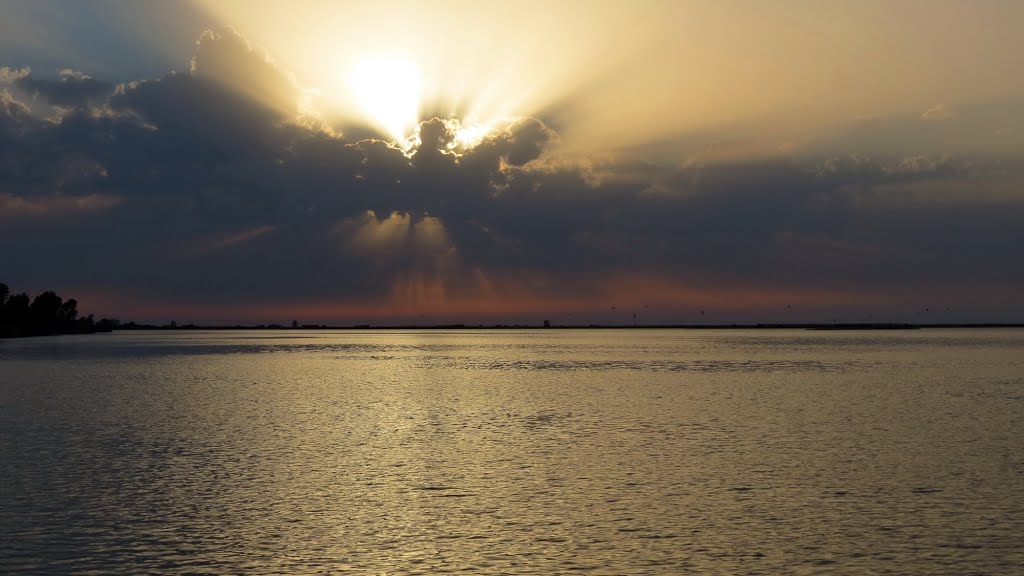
column 613, row 307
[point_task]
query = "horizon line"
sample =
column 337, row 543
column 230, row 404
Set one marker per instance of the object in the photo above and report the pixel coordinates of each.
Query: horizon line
column 462, row 326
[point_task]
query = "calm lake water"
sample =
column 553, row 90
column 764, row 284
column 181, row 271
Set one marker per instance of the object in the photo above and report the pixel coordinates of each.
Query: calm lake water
column 519, row 452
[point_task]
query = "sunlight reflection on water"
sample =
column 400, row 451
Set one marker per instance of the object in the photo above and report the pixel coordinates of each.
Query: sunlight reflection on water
column 529, row 452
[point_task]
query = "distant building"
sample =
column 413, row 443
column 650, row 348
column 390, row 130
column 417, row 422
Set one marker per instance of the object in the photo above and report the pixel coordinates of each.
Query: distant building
column 547, row 323
column 295, row 323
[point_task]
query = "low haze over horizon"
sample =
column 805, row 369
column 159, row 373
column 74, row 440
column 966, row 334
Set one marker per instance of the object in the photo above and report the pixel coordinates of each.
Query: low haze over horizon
column 583, row 162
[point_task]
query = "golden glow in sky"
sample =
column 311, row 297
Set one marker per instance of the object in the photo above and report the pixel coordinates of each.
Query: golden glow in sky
column 393, row 63
column 388, row 90
column 621, row 74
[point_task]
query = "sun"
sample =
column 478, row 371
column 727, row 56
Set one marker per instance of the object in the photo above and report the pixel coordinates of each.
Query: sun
column 388, row 90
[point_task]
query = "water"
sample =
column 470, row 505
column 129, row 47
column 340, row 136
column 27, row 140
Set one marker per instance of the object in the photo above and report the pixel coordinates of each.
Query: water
column 520, row 452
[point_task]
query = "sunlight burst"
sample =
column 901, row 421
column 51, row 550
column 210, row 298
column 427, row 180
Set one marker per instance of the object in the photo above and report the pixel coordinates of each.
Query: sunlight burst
column 389, row 90
column 470, row 134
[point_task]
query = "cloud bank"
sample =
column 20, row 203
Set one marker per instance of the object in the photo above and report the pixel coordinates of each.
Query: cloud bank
column 212, row 193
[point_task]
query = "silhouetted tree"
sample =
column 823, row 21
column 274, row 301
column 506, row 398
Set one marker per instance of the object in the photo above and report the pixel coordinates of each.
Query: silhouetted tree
column 47, row 313
column 106, row 324
column 18, row 315
column 4, row 291
column 68, row 312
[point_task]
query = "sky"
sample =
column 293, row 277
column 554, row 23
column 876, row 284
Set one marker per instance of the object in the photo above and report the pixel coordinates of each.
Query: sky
column 680, row 161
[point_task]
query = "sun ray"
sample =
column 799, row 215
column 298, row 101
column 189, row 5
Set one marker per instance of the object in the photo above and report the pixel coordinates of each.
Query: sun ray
column 388, row 89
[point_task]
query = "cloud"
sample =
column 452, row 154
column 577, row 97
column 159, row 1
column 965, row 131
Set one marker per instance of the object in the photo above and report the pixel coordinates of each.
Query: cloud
column 239, row 238
column 861, row 170
column 225, row 57
column 917, row 166
column 190, row 186
column 937, row 113
column 71, row 90
column 13, row 113
column 10, row 75
column 968, row 130
column 12, row 206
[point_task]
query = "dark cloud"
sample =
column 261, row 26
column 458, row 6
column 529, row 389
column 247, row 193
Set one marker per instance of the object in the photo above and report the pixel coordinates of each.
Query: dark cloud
column 862, row 170
column 72, row 89
column 203, row 186
column 14, row 116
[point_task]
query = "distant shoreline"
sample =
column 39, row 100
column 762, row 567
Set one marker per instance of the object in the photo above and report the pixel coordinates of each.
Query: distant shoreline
column 758, row 326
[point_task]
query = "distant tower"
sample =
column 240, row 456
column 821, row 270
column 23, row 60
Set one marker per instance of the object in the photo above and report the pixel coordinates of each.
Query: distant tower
column 547, row 323
column 295, row 323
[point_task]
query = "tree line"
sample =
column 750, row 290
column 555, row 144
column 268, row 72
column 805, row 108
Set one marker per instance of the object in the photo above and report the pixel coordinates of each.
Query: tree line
column 45, row 315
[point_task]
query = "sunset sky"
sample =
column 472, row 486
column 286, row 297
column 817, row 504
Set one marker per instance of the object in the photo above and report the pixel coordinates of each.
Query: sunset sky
column 464, row 161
